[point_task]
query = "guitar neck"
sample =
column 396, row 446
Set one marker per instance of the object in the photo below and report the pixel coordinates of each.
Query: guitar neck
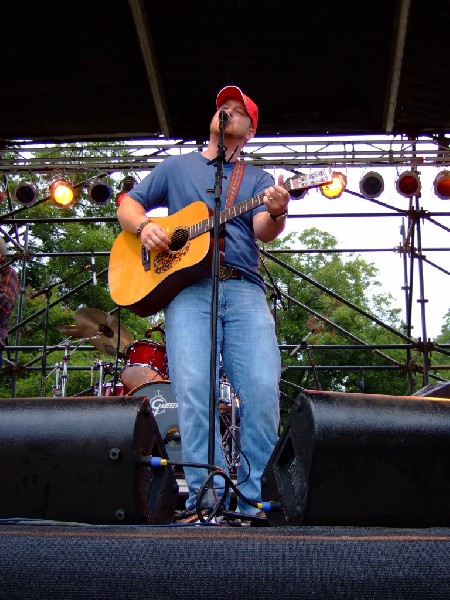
column 294, row 183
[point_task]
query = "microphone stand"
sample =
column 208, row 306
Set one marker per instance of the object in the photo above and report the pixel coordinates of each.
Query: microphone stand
column 219, row 162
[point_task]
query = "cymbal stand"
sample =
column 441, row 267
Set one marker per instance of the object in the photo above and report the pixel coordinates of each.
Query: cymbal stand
column 101, row 371
column 63, row 366
column 234, row 456
column 61, row 391
column 231, row 429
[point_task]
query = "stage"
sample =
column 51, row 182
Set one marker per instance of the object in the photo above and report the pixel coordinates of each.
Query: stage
column 358, row 486
column 65, row 561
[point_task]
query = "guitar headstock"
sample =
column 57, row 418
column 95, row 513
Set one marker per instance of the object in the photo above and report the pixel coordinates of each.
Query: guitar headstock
column 301, row 182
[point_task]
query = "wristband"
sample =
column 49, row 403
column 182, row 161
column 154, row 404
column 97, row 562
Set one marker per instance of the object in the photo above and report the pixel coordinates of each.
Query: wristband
column 278, row 218
column 141, row 227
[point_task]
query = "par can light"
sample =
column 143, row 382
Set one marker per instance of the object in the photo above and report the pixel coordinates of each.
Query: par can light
column 442, row 185
column 126, row 185
column 408, row 184
column 62, row 192
column 99, row 192
column 336, row 187
column 26, row 193
column 371, row 185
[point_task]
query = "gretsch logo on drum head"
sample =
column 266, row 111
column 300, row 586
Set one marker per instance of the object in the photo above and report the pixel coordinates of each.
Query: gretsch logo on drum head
column 159, row 404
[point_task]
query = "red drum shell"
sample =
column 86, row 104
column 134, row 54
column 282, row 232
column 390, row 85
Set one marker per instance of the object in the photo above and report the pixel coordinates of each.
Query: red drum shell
column 145, row 361
column 119, row 389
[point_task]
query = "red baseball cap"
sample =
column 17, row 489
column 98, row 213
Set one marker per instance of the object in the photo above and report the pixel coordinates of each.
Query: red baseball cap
column 231, row 92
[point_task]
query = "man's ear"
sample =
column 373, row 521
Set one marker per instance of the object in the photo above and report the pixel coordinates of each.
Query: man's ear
column 251, row 132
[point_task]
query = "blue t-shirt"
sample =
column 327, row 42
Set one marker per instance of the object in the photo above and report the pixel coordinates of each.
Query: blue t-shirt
column 181, row 180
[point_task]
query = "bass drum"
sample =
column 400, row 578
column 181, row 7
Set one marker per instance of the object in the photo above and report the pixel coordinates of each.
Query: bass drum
column 165, row 410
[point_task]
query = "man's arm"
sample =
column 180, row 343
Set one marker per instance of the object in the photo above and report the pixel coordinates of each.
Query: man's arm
column 268, row 225
column 132, row 217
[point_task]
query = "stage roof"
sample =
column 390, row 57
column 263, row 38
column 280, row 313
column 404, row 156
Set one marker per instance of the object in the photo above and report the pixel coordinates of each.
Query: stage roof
column 112, row 69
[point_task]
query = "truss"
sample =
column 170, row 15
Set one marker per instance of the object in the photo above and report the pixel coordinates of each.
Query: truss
column 284, row 153
column 289, row 153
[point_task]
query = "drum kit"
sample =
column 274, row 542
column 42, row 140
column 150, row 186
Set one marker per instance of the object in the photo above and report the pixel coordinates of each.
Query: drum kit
column 143, row 360
column 144, row 372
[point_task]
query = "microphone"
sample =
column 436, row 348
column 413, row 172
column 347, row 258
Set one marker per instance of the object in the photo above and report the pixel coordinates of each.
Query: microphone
column 225, row 117
column 94, row 272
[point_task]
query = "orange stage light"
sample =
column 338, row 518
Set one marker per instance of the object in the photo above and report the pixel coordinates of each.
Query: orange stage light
column 336, row 187
column 408, row 184
column 62, row 192
column 442, row 185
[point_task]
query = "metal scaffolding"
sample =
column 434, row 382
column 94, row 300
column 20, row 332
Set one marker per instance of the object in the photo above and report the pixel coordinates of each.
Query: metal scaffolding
column 283, row 153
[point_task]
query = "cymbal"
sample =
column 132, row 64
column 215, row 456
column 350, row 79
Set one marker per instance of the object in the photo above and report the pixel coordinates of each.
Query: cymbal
column 103, row 330
column 70, row 330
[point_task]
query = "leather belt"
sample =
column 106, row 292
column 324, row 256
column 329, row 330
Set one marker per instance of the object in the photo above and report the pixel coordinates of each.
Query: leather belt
column 226, row 272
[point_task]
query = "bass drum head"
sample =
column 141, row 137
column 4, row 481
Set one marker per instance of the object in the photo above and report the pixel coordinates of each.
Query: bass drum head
column 165, row 410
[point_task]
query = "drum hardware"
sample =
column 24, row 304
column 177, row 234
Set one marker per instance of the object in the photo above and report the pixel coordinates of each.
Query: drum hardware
column 61, row 369
column 56, row 389
column 228, row 404
column 158, row 328
column 102, row 367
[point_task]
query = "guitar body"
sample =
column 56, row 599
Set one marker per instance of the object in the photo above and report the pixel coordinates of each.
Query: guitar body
column 147, row 292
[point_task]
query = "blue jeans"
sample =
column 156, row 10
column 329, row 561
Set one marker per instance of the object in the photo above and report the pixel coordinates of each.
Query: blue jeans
column 247, row 344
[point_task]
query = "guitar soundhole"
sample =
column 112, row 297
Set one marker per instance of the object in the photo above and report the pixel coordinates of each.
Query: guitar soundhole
column 179, row 238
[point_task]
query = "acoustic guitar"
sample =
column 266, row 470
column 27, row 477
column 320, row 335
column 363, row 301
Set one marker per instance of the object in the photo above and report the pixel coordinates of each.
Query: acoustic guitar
column 145, row 282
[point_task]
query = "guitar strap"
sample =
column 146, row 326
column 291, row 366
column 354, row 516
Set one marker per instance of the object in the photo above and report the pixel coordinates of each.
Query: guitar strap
column 235, row 182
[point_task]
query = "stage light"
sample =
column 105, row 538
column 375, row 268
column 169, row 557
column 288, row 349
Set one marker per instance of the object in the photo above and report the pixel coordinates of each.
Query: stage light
column 126, row 185
column 99, row 192
column 26, row 193
column 336, row 187
column 408, row 184
column 442, row 185
column 62, row 192
column 371, row 185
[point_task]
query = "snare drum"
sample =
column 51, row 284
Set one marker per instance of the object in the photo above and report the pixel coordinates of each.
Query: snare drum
column 145, row 361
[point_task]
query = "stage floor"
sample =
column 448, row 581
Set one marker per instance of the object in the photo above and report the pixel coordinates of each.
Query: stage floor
column 53, row 560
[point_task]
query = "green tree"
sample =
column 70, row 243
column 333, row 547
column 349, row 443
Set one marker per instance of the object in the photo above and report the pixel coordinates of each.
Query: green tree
column 332, row 317
column 443, row 357
column 59, row 281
